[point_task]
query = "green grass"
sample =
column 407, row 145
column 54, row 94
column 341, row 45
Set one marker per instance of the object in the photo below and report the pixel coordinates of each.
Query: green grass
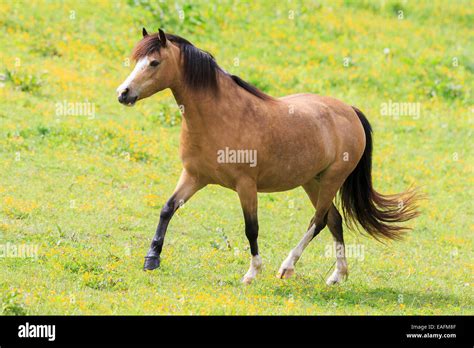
column 88, row 190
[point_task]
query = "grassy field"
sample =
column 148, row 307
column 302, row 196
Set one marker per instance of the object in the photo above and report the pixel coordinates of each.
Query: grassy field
column 86, row 189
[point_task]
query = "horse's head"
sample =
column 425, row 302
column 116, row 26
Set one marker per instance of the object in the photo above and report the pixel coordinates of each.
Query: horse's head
column 157, row 67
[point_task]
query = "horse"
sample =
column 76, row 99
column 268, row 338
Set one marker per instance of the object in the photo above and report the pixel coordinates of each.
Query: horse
column 308, row 140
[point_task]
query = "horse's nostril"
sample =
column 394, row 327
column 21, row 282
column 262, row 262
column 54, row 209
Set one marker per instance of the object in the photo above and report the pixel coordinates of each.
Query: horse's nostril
column 123, row 95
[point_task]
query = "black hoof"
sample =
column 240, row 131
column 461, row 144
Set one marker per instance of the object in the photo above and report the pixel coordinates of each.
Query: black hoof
column 151, row 263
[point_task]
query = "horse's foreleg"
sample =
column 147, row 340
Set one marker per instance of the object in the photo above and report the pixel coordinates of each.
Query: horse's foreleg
column 247, row 191
column 186, row 188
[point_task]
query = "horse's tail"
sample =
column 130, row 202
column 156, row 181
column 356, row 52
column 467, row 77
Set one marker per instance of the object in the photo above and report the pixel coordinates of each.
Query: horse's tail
column 378, row 214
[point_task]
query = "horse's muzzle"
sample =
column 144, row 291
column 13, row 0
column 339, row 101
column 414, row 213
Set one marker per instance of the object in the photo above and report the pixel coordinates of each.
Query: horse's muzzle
column 126, row 99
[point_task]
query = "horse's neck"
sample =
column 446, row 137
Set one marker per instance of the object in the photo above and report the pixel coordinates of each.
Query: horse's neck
column 204, row 110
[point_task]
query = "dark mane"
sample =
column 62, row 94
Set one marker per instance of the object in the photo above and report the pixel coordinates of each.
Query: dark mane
column 200, row 67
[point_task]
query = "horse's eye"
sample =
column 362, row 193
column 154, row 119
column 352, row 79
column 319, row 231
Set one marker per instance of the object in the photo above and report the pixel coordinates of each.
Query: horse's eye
column 154, row 63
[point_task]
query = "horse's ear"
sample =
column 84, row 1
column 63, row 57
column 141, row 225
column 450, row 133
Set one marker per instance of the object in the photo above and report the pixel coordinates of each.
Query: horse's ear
column 162, row 37
column 144, row 32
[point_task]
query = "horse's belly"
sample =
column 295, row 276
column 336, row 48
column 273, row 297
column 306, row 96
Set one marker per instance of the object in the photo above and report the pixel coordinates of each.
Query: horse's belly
column 289, row 175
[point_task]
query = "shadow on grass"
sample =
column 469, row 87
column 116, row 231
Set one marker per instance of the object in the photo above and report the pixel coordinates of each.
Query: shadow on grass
column 356, row 294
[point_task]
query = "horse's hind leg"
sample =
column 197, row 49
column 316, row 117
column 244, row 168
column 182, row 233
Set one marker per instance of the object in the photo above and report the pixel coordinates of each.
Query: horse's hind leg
column 321, row 195
column 287, row 268
column 335, row 226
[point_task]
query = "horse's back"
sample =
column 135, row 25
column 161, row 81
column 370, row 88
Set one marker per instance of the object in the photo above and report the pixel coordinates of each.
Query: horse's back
column 337, row 124
column 338, row 118
column 334, row 105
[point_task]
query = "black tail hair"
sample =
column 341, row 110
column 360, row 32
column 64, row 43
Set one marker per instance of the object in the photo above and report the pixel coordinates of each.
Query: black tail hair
column 378, row 214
